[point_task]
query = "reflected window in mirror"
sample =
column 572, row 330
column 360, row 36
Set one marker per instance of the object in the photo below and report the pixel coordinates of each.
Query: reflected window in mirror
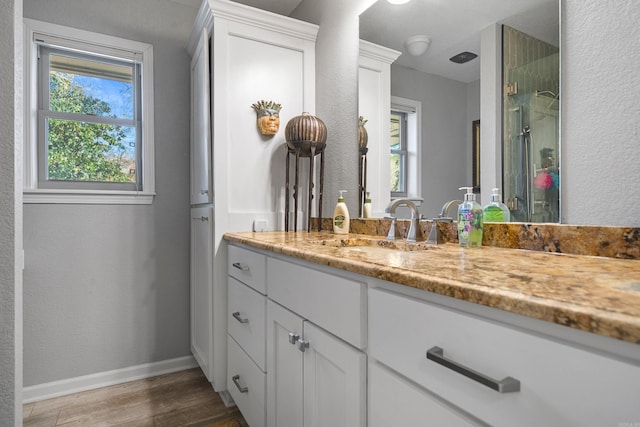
column 398, row 151
column 404, row 149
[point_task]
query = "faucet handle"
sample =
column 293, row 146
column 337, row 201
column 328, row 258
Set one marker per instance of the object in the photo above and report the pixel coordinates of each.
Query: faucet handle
column 393, row 230
column 435, row 236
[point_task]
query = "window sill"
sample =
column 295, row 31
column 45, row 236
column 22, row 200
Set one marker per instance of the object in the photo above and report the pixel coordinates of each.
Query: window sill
column 83, row 197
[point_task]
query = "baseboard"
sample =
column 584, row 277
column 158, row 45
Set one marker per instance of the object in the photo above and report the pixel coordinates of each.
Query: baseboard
column 102, row 379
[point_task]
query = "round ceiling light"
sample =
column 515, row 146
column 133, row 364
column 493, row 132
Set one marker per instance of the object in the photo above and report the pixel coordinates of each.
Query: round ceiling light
column 417, row 45
column 398, row 1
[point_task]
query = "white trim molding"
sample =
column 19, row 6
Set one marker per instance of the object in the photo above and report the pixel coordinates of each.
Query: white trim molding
column 38, row 392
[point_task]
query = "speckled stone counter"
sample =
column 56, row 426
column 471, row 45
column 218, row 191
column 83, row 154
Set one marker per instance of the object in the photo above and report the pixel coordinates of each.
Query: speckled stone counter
column 595, row 294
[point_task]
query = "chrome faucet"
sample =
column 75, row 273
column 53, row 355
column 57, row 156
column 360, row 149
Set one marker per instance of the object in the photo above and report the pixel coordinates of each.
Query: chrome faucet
column 435, row 236
column 414, row 231
column 447, row 206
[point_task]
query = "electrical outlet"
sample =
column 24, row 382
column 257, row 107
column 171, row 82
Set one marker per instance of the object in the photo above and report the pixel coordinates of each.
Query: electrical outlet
column 260, row 225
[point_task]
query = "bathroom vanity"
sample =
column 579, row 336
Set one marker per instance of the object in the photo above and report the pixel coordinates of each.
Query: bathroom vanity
column 353, row 331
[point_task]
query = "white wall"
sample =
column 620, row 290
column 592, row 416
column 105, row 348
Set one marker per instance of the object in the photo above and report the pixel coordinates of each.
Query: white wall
column 10, row 214
column 600, row 112
column 107, row 287
column 473, row 113
column 445, row 142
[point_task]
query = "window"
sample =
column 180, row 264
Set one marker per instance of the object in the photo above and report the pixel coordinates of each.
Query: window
column 398, row 153
column 404, row 148
column 90, row 138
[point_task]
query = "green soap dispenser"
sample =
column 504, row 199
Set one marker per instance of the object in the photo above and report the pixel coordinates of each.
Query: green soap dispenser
column 470, row 220
column 496, row 211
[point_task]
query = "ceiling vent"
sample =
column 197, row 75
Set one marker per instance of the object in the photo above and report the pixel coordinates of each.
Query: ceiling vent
column 463, row 57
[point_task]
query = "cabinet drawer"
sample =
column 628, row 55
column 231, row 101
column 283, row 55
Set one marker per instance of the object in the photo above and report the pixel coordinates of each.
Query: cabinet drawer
column 335, row 303
column 248, row 267
column 394, row 401
column 246, row 384
column 246, row 320
column 559, row 384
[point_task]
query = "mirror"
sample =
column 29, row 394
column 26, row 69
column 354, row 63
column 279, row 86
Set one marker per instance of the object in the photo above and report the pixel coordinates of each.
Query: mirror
column 449, row 93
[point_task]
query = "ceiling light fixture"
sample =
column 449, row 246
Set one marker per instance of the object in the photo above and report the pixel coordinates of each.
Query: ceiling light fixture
column 417, row 45
column 398, row 1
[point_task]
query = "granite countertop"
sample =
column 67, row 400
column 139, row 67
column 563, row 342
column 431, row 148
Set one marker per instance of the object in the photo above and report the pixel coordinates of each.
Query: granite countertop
column 595, row 294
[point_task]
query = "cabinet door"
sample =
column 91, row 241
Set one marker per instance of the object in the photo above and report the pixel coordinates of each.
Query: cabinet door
column 201, row 174
column 201, row 289
column 284, row 367
column 334, row 381
column 394, row 401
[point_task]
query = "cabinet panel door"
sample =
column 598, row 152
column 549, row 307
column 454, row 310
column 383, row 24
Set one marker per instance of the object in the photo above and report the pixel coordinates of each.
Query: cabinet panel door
column 334, row 381
column 394, row 401
column 201, row 289
column 284, row 367
column 201, row 176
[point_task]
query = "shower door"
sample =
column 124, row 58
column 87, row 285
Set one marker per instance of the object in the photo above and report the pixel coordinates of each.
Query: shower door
column 531, row 173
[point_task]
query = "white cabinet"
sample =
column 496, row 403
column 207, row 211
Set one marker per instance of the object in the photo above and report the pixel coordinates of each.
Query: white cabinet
column 201, row 288
column 316, row 324
column 558, row 384
column 313, row 378
column 239, row 56
column 374, row 104
column 246, row 311
column 201, row 174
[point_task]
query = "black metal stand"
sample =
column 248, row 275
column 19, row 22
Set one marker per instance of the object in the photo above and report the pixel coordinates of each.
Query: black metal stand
column 309, row 153
column 362, row 180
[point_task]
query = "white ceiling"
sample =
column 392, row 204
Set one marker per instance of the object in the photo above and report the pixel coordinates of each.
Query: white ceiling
column 453, row 25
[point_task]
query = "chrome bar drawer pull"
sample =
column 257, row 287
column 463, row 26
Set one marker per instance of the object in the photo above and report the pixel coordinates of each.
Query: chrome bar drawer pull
column 236, row 381
column 505, row 385
column 236, row 315
column 240, row 266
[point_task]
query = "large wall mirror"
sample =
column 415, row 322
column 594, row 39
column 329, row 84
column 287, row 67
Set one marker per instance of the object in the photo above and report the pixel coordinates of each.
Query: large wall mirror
column 450, row 94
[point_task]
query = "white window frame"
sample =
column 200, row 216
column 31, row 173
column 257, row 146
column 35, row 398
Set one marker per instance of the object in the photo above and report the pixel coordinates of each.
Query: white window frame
column 414, row 136
column 103, row 45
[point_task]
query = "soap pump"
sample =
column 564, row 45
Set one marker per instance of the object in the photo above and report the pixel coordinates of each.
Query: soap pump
column 341, row 216
column 495, row 210
column 470, row 220
column 367, row 206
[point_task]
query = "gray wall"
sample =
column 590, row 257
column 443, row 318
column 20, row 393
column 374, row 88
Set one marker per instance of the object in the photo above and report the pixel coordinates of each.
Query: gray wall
column 337, row 51
column 600, row 112
column 444, row 145
column 107, row 287
column 10, row 214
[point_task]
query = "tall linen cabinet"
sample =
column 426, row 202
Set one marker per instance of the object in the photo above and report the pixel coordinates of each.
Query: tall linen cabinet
column 239, row 56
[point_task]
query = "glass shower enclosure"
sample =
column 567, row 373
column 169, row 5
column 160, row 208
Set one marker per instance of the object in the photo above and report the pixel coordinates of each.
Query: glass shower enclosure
column 531, row 113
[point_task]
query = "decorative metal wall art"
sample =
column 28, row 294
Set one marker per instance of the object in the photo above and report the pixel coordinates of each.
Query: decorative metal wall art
column 268, row 117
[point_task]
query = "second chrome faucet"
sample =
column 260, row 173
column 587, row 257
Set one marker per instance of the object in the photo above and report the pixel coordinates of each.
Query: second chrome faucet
column 414, row 233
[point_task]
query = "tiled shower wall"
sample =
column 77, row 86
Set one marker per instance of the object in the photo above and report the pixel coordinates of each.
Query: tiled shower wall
column 534, row 66
column 529, row 61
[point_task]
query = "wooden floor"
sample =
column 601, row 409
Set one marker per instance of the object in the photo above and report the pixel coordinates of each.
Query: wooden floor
column 182, row 398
